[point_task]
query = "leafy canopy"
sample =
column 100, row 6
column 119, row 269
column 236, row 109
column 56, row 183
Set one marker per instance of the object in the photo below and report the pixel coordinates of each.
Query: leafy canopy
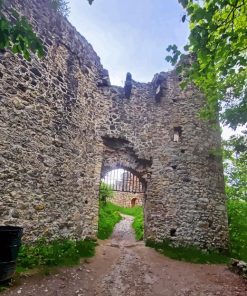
column 18, row 35
column 218, row 47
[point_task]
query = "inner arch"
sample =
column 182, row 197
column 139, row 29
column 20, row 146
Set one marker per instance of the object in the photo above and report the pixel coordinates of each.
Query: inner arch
column 124, row 180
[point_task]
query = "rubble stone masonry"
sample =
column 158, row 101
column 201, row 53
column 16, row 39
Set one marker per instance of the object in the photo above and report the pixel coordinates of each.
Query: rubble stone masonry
column 62, row 125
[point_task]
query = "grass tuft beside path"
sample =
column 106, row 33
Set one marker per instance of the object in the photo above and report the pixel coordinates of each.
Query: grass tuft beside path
column 55, row 253
column 137, row 213
column 109, row 216
column 188, row 254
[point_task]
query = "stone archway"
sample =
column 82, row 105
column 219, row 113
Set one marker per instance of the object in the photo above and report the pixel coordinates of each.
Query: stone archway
column 119, row 153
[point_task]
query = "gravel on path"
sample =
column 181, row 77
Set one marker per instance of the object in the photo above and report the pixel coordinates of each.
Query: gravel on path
column 124, row 267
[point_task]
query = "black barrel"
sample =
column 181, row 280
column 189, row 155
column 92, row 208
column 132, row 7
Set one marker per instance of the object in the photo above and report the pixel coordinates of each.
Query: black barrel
column 10, row 242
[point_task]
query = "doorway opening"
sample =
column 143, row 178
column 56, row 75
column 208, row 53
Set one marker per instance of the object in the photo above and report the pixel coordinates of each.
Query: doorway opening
column 125, row 177
column 133, row 202
column 128, row 187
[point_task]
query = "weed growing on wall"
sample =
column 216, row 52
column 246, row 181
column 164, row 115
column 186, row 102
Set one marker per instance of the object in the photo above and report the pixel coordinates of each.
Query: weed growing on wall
column 61, row 6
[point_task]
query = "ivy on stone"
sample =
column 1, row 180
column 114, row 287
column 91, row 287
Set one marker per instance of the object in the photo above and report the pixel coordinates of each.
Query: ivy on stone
column 18, row 35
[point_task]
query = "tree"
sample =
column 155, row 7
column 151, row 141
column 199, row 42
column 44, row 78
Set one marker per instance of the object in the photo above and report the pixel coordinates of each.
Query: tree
column 235, row 163
column 18, row 34
column 218, row 49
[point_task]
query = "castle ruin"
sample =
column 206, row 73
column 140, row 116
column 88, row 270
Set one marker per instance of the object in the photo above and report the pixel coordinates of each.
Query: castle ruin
column 63, row 126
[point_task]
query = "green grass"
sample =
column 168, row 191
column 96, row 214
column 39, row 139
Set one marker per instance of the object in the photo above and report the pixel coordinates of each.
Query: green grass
column 55, row 253
column 108, row 218
column 43, row 257
column 237, row 214
column 188, row 254
column 3, row 288
column 138, row 223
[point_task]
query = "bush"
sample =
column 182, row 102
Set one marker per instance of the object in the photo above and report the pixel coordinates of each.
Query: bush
column 55, row 253
column 105, row 191
column 237, row 215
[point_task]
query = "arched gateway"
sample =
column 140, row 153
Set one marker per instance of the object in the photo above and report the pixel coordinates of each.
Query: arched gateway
column 63, row 125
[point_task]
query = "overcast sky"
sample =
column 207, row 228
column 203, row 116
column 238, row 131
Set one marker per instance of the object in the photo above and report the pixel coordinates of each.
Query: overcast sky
column 131, row 35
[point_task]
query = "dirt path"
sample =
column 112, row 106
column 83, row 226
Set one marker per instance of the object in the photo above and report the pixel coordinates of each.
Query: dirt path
column 124, row 267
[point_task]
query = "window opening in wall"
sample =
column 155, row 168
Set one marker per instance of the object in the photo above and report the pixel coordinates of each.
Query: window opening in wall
column 173, row 232
column 177, row 134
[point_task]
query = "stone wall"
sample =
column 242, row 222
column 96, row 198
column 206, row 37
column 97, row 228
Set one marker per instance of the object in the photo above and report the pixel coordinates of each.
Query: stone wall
column 48, row 156
column 127, row 199
column 63, row 127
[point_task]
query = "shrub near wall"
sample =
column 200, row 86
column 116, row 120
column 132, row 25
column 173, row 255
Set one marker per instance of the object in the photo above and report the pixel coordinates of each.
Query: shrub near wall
column 237, row 215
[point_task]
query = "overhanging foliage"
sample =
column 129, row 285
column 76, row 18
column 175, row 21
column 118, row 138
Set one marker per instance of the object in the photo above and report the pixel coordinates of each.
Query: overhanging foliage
column 218, row 47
